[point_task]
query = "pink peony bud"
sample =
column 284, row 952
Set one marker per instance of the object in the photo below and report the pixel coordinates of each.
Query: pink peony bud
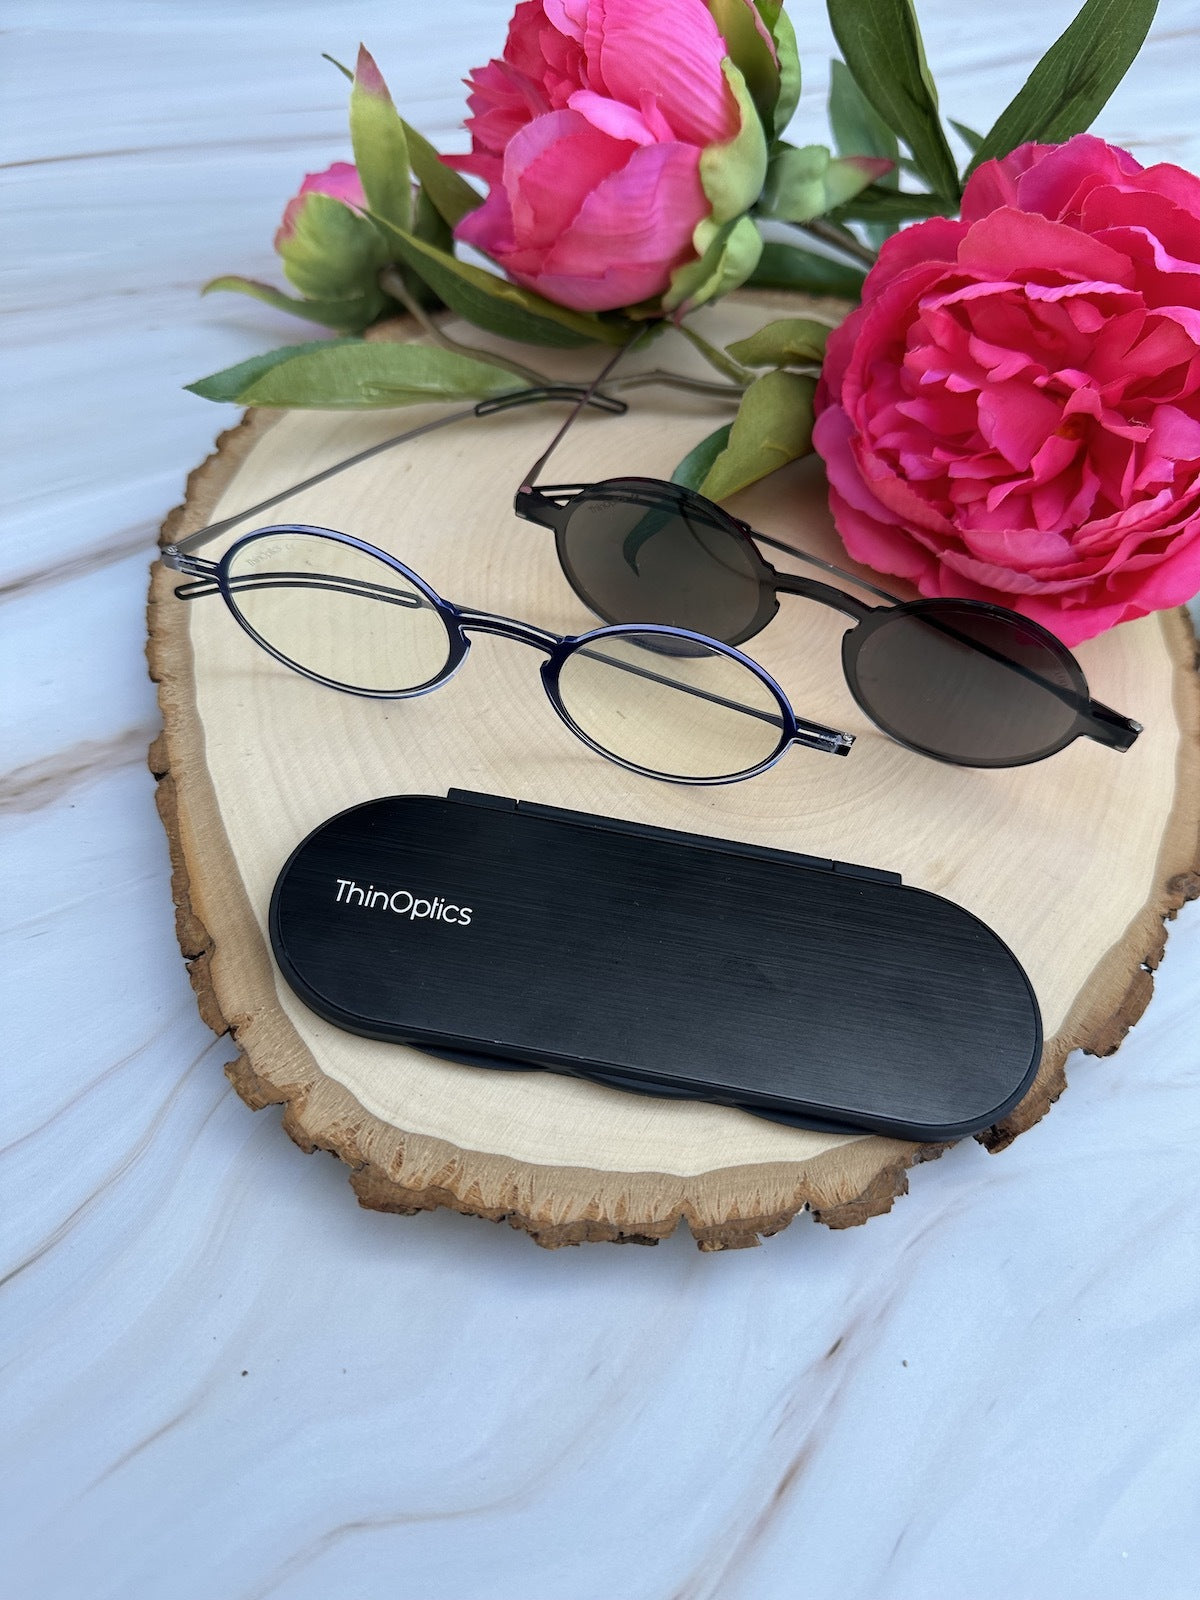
column 590, row 131
column 339, row 182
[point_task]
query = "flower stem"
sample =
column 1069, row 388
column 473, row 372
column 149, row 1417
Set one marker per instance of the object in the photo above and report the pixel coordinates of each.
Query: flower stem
column 720, row 359
column 676, row 380
column 392, row 282
column 839, row 238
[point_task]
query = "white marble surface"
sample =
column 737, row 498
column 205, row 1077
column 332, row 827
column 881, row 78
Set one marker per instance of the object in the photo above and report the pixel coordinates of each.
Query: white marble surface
column 222, row 1381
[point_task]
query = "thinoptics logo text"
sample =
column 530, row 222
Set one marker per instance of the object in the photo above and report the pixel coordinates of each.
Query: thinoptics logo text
column 402, row 901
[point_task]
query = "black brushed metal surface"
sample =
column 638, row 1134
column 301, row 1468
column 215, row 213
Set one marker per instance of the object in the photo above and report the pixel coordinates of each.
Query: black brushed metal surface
column 803, row 988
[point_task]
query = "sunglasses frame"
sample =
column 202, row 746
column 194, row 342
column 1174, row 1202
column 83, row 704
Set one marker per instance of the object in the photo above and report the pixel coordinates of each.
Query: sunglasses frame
column 213, row 577
column 552, row 506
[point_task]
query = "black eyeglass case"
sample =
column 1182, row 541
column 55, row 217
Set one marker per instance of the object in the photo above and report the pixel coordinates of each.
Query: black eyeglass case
column 510, row 935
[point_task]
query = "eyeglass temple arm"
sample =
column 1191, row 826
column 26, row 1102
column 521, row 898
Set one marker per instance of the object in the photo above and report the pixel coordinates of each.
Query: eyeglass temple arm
column 588, row 397
column 813, row 734
column 582, row 396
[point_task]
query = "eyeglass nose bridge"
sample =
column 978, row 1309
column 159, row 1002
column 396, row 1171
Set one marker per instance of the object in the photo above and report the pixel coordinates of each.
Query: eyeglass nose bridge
column 470, row 621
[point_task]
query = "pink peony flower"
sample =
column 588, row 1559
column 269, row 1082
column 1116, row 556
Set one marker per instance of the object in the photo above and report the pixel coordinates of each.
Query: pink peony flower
column 590, row 130
column 1013, row 414
column 340, row 182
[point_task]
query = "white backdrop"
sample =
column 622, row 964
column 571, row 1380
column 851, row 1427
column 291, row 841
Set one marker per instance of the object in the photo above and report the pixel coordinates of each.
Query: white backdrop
column 222, row 1381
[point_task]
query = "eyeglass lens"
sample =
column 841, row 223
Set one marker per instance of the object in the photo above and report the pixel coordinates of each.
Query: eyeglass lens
column 964, row 685
column 338, row 612
column 673, row 563
column 705, row 715
column 680, row 708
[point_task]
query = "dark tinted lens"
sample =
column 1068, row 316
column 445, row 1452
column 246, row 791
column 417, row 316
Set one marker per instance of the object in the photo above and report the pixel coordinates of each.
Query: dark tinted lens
column 970, row 687
column 635, row 556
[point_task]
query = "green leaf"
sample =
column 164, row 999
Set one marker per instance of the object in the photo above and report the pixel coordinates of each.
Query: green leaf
column 891, row 206
column 784, row 36
column 882, row 47
column 380, row 148
column 728, row 255
column 334, row 253
column 786, row 266
column 230, row 382
column 334, row 62
column 858, row 129
column 969, row 137
column 451, row 194
column 355, row 374
column 695, row 466
column 750, row 53
column 792, row 341
column 1073, row 80
column 810, row 182
column 430, row 226
column 773, row 426
column 495, row 304
column 731, row 174
column 347, row 316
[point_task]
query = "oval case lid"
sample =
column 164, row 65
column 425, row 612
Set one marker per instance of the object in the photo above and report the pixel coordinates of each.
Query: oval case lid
column 515, row 935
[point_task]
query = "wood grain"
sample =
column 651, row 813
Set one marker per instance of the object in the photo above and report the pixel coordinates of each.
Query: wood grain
column 1075, row 862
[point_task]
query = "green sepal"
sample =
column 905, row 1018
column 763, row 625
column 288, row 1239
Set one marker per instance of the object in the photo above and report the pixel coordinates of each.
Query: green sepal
column 881, row 43
column 789, row 342
column 380, row 145
column 787, row 266
column 498, row 306
column 355, row 374
column 1072, row 82
column 810, row 182
column 346, row 316
column 732, row 174
column 727, row 255
column 773, row 426
column 334, row 253
column 696, row 465
column 750, row 53
column 786, row 49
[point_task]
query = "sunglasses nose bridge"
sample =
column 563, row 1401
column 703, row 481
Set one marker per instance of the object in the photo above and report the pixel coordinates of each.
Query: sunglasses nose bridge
column 823, row 593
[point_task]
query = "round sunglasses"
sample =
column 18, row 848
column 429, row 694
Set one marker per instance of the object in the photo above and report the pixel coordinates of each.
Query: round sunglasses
column 663, row 701
column 962, row 681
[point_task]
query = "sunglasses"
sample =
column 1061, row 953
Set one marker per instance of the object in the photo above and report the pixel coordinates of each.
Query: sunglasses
column 961, row 681
column 663, row 701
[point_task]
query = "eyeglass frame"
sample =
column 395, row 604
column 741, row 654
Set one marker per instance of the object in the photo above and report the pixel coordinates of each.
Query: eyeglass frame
column 209, row 577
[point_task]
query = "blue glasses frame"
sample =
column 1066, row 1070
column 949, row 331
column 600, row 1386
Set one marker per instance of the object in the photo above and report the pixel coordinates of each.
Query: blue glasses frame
column 217, row 577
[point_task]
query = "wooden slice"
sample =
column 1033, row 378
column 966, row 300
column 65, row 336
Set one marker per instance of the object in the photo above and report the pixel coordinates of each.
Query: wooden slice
column 1075, row 861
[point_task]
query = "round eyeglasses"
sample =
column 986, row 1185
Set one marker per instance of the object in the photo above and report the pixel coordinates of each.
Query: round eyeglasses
column 664, row 701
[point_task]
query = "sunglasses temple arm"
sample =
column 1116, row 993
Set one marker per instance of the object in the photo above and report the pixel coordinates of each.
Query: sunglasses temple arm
column 1109, row 727
column 816, row 561
column 485, row 408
